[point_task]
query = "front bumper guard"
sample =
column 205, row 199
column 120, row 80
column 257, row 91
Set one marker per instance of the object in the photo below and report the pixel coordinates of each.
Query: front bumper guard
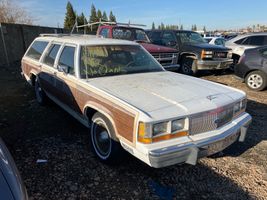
column 214, row 64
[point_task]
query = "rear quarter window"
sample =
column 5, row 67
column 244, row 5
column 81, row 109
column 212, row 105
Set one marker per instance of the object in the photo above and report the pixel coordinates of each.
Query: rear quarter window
column 37, row 49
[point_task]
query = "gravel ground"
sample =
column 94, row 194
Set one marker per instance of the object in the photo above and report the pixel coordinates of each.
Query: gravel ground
column 33, row 132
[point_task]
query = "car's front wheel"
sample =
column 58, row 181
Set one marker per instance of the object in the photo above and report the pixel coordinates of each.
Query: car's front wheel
column 103, row 145
column 256, row 80
column 188, row 66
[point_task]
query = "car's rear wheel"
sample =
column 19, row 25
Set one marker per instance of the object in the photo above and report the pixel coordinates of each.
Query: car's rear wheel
column 39, row 93
column 102, row 138
column 256, row 80
column 188, row 66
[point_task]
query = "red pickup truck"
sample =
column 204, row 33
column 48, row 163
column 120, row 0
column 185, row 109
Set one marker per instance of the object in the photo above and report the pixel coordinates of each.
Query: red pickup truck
column 167, row 57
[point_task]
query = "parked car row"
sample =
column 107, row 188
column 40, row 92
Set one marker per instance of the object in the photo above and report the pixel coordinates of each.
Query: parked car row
column 172, row 47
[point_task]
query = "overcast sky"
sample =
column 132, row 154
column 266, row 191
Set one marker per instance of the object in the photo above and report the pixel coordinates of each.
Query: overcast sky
column 227, row 14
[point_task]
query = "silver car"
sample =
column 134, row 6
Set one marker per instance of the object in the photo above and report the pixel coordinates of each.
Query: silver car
column 11, row 185
column 240, row 43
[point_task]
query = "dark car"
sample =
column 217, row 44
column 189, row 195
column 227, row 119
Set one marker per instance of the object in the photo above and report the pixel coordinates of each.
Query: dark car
column 252, row 68
column 194, row 52
column 166, row 56
column 11, row 185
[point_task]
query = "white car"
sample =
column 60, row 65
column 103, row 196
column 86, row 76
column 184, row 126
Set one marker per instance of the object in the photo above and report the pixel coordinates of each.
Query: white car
column 240, row 43
column 215, row 40
column 128, row 101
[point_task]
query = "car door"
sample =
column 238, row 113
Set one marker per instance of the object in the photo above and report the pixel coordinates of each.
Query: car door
column 49, row 70
column 169, row 39
column 263, row 53
column 65, row 76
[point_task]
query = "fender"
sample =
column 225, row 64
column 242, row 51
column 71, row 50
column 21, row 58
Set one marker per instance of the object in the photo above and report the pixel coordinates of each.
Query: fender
column 191, row 55
column 101, row 109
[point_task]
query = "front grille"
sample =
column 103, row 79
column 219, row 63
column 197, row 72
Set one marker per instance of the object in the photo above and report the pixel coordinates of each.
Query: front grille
column 211, row 120
column 166, row 58
column 220, row 55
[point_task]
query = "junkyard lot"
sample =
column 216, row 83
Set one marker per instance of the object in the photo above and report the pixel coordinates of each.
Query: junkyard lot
column 33, row 132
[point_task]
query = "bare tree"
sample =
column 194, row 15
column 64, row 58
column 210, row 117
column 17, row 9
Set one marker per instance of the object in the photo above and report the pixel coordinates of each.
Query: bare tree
column 11, row 12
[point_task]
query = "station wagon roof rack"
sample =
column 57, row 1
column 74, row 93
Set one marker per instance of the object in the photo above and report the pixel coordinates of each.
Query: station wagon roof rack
column 103, row 22
column 54, row 34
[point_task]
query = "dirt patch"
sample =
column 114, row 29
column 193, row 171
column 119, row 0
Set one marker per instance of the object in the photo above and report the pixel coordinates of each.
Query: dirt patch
column 71, row 172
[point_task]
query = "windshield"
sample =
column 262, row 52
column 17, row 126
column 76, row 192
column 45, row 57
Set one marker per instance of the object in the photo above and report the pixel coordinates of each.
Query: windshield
column 110, row 60
column 129, row 34
column 208, row 39
column 190, row 37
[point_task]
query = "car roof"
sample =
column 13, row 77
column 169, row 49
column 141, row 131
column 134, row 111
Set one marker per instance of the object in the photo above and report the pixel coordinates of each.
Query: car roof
column 213, row 37
column 171, row 30
column 80, row 39
column 246, row 35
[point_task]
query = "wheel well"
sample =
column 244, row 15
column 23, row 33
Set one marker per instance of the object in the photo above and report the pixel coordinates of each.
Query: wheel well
column 33, row 78
column 89, row 112
column 235, row 57
column 251, row 71
column 187, row 55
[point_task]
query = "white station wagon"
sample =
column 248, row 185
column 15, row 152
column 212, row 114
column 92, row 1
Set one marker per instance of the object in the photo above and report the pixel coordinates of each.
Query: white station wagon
column 128, row 101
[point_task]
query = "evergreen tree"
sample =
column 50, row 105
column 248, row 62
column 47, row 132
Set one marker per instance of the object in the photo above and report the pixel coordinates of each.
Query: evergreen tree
column 153, row 26
column 204, row 29
column 81, row 19
column 93, row 15
column 93, row 18
column 99, row 14
column 70, row 17
column 162, row 27
column 112, row 18
column 105, row 17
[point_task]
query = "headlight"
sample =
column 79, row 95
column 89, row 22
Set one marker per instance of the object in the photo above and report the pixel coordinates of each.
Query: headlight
column 149, row 133
column 243, row 104
column 240, row 106
column 236, row 107
column 160, row 128
column 230, row 54
column 206, row 54
column 177, row 125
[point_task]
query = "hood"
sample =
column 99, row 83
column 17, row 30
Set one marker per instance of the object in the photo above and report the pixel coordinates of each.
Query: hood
column 207, row 46
column 153, row 48
column 162, row 95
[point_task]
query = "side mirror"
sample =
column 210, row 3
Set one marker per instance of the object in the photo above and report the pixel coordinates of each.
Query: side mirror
column 171, row 43
column 63, row 68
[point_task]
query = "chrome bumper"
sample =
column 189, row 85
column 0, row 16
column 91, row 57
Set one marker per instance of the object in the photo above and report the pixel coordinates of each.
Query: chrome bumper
column 190, row 152
column 214, row 64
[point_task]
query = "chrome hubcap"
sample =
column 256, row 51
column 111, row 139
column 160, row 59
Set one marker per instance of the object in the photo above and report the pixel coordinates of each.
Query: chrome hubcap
column 255, row 81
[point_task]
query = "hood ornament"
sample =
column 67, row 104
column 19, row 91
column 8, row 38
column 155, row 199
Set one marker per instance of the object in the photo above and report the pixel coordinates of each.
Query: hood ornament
column 211, row 97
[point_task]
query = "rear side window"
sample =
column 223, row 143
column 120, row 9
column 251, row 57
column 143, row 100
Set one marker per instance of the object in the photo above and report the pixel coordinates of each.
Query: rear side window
column 37, row 49
column 240, row 41
column 167, row 37
column 219, row 41
column 105, row 32
column 254, row 40
column 51, row 56
column 264, row 52
column 156, row 37
column 67, row 58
